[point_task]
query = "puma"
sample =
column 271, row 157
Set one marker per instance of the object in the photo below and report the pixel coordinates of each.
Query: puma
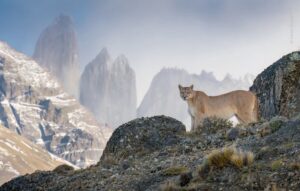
column 239, row 103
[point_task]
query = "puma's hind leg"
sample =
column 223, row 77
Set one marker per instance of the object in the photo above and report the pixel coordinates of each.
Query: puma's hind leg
column 244, row 117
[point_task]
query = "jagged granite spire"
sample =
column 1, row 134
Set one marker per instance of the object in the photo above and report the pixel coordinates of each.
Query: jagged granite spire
column 56, row 50
column 108, row 89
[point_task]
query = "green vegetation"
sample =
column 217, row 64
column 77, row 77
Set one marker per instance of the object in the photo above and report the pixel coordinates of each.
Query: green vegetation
column 275, row 165
column 174, row 171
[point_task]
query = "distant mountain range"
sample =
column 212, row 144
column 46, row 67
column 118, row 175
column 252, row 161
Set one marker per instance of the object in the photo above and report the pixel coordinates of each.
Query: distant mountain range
column 163, row 98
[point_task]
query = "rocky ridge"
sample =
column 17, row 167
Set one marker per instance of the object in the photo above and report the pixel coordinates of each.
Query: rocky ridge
column 140, row 164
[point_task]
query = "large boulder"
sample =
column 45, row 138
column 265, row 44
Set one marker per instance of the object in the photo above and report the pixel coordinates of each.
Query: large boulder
column 278, row 88
column 143, row 135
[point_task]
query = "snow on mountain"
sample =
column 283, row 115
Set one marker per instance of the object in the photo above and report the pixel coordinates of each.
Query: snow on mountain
column 56, row 50
column 163, row 98
column 108, row 89
column 33, row 104
column 19, row 156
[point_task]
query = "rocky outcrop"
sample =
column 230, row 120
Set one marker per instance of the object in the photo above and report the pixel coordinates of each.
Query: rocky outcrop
column 19, row 156
column 278, row 87
column 176, row 164
column 108, row 89
column 56, row 50
column 143, row 134
column 34, row 105
column 163, row 98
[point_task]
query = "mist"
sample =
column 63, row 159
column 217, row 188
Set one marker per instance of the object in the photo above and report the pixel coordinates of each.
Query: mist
column 236, row 37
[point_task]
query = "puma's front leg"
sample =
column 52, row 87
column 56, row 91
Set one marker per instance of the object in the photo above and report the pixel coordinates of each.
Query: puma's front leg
column 192, row 123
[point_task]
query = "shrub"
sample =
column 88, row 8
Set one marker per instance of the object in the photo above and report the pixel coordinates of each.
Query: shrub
column 213, row 125
column 174, row 171
column 63, row 169
column 275, row 165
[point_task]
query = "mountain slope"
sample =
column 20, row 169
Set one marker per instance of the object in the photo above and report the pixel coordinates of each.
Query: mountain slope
column 19, row 156
column 108, row 89
column 56, row 50
column 35, row 106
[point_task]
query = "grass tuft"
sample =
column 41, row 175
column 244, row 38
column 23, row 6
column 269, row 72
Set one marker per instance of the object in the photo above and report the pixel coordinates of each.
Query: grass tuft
column 228, row 156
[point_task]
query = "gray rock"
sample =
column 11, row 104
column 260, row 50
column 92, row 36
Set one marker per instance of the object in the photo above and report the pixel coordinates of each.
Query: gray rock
column 56, row 50
column 34, row 105
column 143, row 135
column 108, row 89
column 278, row 88
column 233, row 134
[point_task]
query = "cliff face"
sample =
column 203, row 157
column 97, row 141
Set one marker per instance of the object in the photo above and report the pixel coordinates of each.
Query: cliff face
column 108, row 89
column 163, row 98
column 278, row 87
column 34, row 105
column 56, row 50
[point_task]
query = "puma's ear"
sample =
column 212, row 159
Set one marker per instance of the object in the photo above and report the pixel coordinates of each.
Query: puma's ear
column 192, row 86
column 179, row 86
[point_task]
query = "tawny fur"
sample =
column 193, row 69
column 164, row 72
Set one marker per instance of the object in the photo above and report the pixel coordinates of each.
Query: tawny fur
column 239, row 103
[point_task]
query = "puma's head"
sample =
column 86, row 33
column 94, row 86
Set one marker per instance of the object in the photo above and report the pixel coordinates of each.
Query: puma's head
column 186, row 92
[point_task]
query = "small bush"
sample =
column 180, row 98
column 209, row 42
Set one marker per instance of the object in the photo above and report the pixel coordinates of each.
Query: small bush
column 276, row 123
column 213, row 125
column 275, row 165
column 63, row 169
column 174, row 171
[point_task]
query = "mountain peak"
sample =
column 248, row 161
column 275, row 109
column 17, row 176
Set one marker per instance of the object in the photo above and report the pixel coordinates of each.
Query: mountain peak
column 103, row 57
column 63, row 20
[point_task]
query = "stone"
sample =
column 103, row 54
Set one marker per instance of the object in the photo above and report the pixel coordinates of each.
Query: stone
column 278, row 88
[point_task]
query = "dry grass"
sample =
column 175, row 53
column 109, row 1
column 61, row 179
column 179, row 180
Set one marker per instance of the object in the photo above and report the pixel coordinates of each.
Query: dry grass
column 228, row 156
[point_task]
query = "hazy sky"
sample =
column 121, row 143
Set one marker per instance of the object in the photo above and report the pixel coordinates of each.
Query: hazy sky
column 223, row 36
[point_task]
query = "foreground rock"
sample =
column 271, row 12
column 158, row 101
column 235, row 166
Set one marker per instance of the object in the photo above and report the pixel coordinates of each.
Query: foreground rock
column 141, row 164
column 108, row 89
column 19, row 156
column 34, row 105
column 278, row 87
